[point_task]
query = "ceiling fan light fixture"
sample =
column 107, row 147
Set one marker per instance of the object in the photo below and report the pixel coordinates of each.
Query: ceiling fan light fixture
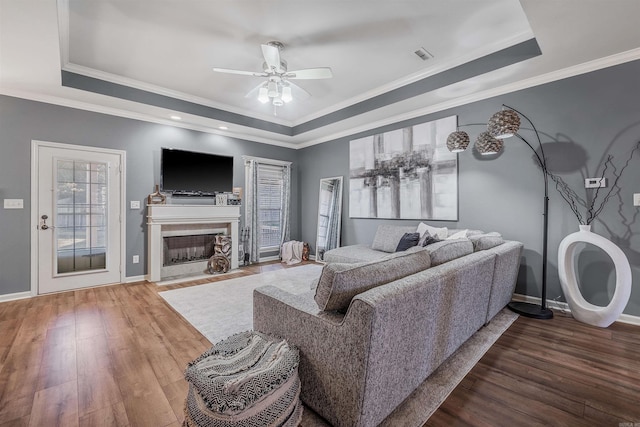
column 272, row 89
column 277, row 102
column 286, row 94
column 263, row 96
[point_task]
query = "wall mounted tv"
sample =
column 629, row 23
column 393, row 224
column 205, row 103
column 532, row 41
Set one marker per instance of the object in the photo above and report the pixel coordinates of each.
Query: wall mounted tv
column 188, row 173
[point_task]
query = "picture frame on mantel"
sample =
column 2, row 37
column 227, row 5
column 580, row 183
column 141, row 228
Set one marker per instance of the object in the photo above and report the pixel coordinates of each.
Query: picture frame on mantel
column 405, row 173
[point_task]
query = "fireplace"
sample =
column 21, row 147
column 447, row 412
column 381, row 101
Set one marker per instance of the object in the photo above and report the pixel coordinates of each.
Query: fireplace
column 185, row 249
column 181, row 238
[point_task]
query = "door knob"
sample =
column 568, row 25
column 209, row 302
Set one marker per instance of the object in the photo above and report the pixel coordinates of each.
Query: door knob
column 44, row 225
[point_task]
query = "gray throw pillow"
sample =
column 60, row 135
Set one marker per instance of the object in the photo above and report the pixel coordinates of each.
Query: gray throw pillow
column 407, row 241
column 339, row 282
column 482, row 242
column 428, row 239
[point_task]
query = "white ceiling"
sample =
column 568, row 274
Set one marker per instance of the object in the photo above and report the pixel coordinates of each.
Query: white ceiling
column 170, row 47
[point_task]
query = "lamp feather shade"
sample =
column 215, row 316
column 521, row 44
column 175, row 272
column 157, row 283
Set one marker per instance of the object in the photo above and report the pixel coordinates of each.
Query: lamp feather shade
column 504, row 124
column 458, row 141
column 487, row 144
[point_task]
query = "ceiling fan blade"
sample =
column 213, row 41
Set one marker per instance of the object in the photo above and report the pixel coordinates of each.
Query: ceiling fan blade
column 242, row 73
column 310, row 73
column 272, row 57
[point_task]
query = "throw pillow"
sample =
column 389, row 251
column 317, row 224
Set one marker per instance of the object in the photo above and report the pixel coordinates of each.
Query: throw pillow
column 438, row 233
column 486, row 241
column 339, row 283
column 428, row 239
column 462, row 234
column 407, row 241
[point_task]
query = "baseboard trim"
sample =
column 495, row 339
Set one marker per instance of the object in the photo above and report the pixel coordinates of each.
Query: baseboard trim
column 269, row 258
column 132, row 279
column 15, row 296
column 563, row 306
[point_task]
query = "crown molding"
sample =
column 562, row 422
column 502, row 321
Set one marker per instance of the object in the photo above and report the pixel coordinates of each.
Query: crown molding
column 112, row 111
column 66, row 65
column 439, row 67
column 568, row 72
column 125, row 81
column 576, row 70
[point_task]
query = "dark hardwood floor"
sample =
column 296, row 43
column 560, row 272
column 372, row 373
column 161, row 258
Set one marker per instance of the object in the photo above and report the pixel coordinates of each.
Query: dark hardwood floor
column 115, row 356
column 557, row 372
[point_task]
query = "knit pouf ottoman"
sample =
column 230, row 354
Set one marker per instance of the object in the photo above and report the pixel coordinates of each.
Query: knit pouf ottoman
column 249, row 379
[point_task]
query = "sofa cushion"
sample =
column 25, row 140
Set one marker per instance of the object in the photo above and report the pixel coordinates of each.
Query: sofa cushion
column 407, row 241
column 448, row 250
column 388, row 236
column 482, row 242
column 340, row 282
column 353, row 253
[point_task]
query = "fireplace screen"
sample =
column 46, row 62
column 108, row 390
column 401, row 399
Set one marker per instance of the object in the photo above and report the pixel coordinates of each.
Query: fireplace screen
column 184, row 249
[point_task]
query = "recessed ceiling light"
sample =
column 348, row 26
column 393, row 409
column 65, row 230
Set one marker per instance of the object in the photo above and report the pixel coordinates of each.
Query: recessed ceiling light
column 223, row 127
column 174, row 117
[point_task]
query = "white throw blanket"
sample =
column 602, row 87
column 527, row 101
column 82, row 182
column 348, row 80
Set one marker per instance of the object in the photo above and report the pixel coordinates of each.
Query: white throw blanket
column 292, row 252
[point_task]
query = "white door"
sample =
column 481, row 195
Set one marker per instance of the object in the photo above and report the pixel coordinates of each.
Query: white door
column 79, row 232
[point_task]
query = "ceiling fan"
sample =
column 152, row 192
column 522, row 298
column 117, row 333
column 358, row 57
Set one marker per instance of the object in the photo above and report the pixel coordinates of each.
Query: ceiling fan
column 277, row 88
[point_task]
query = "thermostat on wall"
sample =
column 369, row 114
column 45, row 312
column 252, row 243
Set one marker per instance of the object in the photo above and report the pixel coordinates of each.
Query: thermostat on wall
column 595, row 182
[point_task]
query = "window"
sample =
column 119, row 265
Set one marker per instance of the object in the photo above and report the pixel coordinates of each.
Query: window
column 266, row 206
column 270, row 202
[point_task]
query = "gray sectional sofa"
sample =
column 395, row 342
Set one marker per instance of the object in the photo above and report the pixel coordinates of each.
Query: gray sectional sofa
column 379, row 323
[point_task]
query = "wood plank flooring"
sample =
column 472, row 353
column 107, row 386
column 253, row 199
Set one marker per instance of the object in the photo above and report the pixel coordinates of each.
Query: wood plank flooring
column 115, row 356
column 557, row 372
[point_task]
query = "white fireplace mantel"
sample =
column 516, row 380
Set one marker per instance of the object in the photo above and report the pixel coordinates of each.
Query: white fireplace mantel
column 174, row 216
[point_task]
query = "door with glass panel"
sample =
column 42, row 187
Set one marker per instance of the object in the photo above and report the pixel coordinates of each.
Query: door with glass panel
column 79, row 229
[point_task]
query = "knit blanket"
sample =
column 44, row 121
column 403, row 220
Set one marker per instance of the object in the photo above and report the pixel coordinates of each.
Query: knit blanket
column 292, row 252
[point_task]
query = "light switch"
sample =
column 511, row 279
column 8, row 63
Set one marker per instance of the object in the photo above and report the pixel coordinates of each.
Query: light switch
column 13, row 203
column 135, row 204
column 636, row 199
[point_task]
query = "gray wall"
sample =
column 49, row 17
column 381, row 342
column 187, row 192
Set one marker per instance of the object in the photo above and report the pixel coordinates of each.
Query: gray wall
column 581, row 120
column 22, row 121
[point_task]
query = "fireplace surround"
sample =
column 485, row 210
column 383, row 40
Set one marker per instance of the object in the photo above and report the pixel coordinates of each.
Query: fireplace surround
column 173, row 221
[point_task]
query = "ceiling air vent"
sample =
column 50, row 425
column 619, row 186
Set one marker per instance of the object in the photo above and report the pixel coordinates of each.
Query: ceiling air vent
column 423, row 54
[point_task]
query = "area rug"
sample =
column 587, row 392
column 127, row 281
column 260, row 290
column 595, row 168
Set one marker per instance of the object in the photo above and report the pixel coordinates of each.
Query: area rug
column 221, row 309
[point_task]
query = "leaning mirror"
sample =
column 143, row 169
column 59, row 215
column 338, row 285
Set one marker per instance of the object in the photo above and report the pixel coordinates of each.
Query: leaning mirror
column 329, row 215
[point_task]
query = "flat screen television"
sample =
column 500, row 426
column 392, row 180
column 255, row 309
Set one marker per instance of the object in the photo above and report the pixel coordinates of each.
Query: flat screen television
column 188, row 173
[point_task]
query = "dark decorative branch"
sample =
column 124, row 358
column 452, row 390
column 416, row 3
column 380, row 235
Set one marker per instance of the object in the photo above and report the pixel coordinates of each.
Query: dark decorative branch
column 576, row 203
column 569, row 196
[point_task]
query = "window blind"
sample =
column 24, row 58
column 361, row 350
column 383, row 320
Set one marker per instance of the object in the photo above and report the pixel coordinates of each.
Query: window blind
column 270, row 197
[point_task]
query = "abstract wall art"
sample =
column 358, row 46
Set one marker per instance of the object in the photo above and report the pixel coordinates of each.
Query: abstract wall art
column 405, row 174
